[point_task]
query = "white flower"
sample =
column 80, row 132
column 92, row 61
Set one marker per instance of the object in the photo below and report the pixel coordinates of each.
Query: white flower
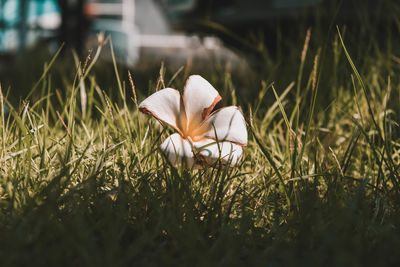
column 202, row 137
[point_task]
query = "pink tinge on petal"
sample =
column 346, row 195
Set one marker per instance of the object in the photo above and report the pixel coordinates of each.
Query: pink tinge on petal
column 208, row 110
column 210, row 151
column 227, row 124
column 178, row 150
column 164, row 105
column 199, row 98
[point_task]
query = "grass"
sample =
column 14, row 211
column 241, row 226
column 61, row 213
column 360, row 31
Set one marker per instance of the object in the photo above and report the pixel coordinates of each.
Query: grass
column 83, row 182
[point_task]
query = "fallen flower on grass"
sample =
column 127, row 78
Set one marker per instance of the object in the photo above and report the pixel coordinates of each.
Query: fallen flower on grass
column 202, row 137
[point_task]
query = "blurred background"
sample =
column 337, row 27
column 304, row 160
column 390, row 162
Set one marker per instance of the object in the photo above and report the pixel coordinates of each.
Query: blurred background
column 139, row 28
column 251, row 38
column 173, row 29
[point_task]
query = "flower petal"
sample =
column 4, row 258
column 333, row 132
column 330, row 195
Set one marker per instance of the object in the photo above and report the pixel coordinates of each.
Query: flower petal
column 210, row 151
column 199, row 98
column 176, row 149
column 165, row 105
column 227, row 124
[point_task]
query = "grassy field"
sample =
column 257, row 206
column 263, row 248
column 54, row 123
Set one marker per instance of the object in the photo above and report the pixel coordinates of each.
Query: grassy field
column 83, row 183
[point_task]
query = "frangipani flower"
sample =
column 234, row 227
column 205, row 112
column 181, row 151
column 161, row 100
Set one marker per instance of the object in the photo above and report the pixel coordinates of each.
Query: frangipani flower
column 201, row 137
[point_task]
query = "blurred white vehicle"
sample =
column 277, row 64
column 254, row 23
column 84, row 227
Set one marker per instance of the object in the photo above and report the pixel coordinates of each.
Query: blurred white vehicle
column 141, row 28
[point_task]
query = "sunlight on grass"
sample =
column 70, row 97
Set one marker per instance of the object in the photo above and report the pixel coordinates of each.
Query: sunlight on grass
column 83, row 181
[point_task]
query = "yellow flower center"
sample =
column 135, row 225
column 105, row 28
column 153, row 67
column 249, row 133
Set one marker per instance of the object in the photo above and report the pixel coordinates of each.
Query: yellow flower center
column 194, row 129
